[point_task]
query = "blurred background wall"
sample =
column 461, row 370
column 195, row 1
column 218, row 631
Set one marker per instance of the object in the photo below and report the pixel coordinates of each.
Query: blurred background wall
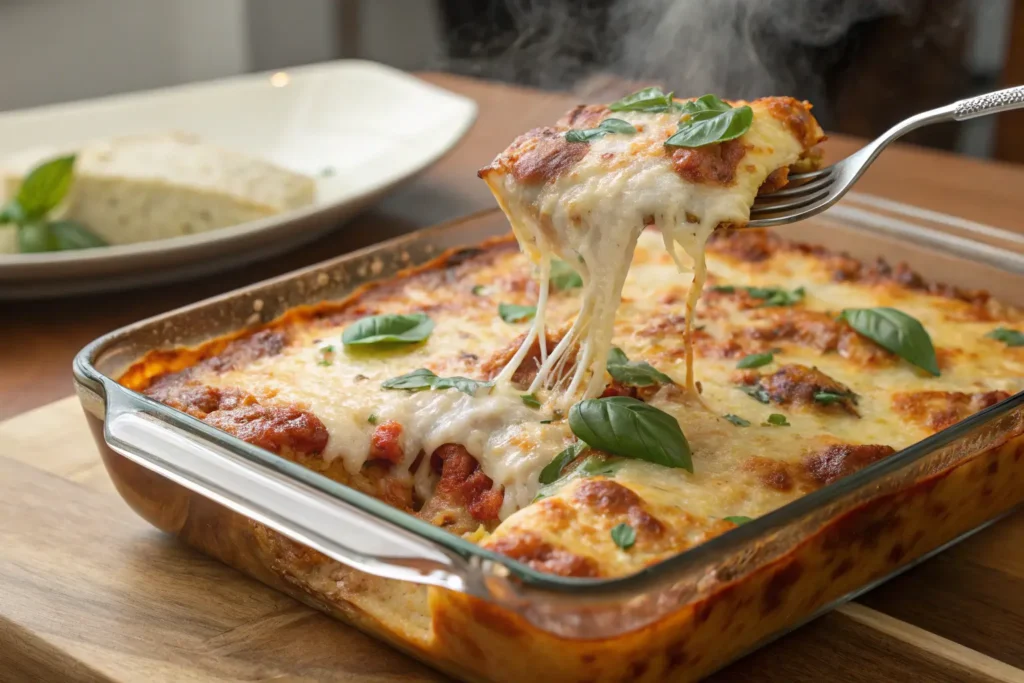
column 865, row 63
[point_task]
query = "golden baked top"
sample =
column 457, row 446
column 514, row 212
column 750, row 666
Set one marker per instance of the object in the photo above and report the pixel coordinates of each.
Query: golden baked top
column 471, row 457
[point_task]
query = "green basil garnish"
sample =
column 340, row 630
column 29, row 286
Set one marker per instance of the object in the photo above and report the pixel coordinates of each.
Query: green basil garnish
column 1007, row 336
column 897, row 332
column 553, row 470
column 755, row 391
column 651, row 100
column 45, row 187
column 604, row 128
column 514, row 313
column 624, row 536
column 770, row 296
column 634, row 373
column 42, row 190
column 777, row 420
column 755, row 360
column 530, row 400
column 417, row 380
column 421, row 379
column 708, row 120
column 389, row 328
column 830, row 397
column 775, row 296
column 564, row 277
column 737, row 519
column 463, row 384
column 372, row 418
column 737, row 420
column 624, row 426
column 35, row 238
column 592, row 466
column 477, row 290
column 41, row 236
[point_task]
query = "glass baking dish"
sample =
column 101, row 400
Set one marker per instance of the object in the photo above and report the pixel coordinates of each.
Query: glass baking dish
column 482, row 616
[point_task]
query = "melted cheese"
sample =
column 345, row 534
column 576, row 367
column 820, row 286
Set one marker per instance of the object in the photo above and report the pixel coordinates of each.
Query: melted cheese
column 592, row 216
column 512, row 445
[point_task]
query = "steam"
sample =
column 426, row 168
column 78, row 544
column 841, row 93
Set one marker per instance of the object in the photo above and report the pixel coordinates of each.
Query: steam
column 734, row 48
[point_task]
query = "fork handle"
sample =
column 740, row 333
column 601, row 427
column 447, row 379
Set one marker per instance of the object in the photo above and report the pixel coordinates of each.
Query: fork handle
column 989, row 103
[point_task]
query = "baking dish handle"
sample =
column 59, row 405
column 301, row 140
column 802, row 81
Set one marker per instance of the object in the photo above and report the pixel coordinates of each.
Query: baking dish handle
column 254, row 487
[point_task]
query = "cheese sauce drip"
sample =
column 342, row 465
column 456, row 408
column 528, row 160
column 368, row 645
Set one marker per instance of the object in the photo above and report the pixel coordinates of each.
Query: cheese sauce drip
column 592, row 216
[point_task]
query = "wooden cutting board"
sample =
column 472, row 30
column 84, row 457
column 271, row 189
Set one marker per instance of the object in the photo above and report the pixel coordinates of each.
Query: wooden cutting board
column 89, row 592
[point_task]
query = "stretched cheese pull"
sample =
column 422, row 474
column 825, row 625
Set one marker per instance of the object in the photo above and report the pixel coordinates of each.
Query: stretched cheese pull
column 584, row 189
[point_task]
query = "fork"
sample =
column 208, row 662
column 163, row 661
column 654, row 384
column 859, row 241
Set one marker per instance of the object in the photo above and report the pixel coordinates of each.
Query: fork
column 810, row 193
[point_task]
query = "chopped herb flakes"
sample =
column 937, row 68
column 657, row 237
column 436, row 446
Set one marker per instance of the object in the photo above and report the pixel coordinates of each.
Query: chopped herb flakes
column 736, row 420
column 624, row 536
column 530, row 400
column 737, row 519
column 755, row 360
column 1007, row 336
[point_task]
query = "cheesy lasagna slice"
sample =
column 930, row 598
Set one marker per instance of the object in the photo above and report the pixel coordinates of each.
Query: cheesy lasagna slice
column 583, row 190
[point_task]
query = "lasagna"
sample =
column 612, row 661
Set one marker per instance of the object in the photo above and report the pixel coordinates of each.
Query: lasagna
column 532, row 394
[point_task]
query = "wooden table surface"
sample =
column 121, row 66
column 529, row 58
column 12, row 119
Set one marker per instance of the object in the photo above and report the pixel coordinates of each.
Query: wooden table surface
column 39, row 339
column 87, row 590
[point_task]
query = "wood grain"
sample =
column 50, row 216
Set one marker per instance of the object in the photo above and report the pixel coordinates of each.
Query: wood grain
column 89, row 592
column 41, row 338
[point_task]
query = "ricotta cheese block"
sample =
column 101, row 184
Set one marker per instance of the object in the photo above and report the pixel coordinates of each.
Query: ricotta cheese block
column 156, row 186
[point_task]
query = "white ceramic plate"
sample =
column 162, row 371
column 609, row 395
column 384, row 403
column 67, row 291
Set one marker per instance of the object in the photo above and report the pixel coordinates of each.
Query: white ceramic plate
column 371, row 125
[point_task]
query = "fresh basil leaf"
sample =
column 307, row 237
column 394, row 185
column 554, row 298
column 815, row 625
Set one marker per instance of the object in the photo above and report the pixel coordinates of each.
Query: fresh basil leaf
column 755, row 391
column 553, row 470
column 530, row 400
column 624, row 536
column 703, row 105
column 897, row 332
column 45, row 187
column 776, row 296
column 69, row 235
column 777, row 420
column 592, row 466
column 477, row 290
column 651, row 100
column 463, row 384
column 598, row 466
column 737, row 519
column 563, row 276
column 11, row 212
column 624, row 426
column 389, row 328
column 514, row 313
column 634, row 373
column 35, row 238
column 421, row 379
column 417, row 380
column 1007, row 336
column 830, row 397
column 770, row 296
column 755, row 360
column 737, row 420
column 617, row 126
column 372, row 418
column 709, row 120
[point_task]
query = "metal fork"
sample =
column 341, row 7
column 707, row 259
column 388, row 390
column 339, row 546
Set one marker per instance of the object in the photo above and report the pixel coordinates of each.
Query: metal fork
column 810, row 193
